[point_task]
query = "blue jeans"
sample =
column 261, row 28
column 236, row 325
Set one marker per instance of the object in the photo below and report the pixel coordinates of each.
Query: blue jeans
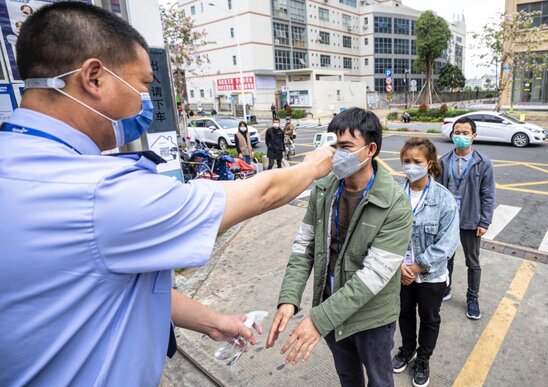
column 370, row 348
column 247, row 159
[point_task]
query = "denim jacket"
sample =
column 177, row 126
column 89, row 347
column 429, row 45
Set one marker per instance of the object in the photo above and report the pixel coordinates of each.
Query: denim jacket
column 435, row 234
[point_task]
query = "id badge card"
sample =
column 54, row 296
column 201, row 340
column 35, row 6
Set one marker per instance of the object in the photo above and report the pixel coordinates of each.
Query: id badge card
column 409, row 257
column 332, row 282
column 458, row 199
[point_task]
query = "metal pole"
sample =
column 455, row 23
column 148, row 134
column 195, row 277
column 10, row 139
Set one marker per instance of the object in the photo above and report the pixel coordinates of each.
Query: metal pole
column 237, row 31
column 406, row 87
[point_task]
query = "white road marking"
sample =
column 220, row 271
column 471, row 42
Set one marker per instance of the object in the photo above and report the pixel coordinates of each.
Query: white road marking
column 304, row 194
column 502, row 216
column 544, row 244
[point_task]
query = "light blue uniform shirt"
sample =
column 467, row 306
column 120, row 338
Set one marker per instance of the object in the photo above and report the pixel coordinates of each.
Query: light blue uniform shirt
column 87, row 244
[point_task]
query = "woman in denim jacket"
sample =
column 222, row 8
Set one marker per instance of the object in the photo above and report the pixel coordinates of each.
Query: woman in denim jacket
column 434, row 239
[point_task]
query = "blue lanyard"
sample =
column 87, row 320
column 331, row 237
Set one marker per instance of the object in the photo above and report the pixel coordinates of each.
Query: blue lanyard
column 458, row 181
column 338, row 197
column 422, row 194
column 7, row 127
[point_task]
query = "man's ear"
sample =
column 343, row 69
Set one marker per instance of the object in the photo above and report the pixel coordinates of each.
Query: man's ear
column 91, row 76
column 372, row 148
column 475, row 135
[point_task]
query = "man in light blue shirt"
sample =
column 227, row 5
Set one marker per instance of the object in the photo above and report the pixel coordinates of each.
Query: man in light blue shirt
column 88, row 241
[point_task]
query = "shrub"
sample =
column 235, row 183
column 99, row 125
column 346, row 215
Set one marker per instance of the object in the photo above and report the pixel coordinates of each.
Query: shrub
column 423, row 108
column 258, row 156
column 392, row 116
column 433, row 113
column 433, row 131
column 443, row 109
column 232, row 152
column 489, row 95
column 413, row 113
column 298, row 113
column 280, row 113
column 384, row 128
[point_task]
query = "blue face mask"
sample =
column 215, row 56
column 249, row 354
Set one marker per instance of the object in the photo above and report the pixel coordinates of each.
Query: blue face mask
column 462, row 142
column 125, row 130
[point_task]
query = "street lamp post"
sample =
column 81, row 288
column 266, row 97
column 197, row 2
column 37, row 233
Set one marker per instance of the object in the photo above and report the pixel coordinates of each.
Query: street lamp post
column 237, row 36
column 406, row 71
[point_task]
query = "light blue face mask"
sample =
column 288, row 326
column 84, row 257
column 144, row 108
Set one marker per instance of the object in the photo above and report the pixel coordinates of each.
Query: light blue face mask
column 125, row 130
column 462, row 142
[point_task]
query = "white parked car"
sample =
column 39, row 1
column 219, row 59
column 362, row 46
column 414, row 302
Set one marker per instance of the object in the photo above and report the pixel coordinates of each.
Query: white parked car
column 494, row 126
column 218, row 131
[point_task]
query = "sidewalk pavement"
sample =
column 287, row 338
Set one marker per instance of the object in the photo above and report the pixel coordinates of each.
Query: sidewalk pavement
column 245, row 274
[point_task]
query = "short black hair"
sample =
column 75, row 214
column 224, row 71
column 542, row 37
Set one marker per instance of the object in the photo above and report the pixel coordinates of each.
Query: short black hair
column 360, row 119
column 464, row 120
column 275, row 119
column 59, row 37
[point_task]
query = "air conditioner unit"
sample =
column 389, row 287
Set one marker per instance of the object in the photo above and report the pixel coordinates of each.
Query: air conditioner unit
column 365, row 27
column 276, row 41
column 349, row 27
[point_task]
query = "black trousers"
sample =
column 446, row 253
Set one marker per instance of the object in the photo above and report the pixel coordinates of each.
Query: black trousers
column 370, row 348
column 428, row 297
column 271, row 162
column 471, row 246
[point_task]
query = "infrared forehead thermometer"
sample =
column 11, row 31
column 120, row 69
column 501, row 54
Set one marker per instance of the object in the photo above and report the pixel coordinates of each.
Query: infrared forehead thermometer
column 325, row 139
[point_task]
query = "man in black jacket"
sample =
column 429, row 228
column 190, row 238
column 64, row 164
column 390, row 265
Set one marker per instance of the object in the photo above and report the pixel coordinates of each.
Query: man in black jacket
column 274, row 140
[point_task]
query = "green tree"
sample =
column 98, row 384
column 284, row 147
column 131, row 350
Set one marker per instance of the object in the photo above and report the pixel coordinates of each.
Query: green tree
column 451, row 76
column 513, row 42
column 183, row 42
column 432, row 38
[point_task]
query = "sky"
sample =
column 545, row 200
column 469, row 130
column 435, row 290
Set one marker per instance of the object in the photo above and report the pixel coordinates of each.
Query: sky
column 477, row 13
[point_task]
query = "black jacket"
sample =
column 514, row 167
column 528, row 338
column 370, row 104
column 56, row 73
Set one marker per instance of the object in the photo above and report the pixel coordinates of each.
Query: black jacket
column 274, row 140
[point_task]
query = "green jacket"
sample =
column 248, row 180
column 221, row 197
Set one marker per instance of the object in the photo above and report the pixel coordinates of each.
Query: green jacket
column 366, row 292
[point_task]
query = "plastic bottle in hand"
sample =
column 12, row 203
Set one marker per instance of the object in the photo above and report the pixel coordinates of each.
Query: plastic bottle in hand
column 237, row 346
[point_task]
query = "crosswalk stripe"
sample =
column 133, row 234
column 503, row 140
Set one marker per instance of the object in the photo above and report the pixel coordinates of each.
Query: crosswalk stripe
column 544, row 244
column 502, row 216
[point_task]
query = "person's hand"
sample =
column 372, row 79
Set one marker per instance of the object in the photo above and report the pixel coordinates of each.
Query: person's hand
column 320, row 160
column 407, row 275
column 416, row 268
column 231, row 326
column 240, row 156
column 480, row 231
column 302, row 341
column 283, row 315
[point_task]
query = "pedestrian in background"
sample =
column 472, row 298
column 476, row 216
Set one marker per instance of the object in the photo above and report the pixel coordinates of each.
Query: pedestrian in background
column 424, row 275
column 274, row 139
column 242, row 141
column 353, row 238
column 469, row 176
column 85, row 273
column 273, row 110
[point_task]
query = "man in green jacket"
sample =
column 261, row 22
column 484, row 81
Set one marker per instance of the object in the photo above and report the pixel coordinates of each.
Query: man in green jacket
column 354, row 235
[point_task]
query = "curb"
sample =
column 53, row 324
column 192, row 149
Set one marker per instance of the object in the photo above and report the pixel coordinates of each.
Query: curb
column 515, row 251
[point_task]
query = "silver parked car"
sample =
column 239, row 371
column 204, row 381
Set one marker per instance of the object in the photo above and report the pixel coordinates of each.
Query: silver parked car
column 499, row 127
column 218, row 131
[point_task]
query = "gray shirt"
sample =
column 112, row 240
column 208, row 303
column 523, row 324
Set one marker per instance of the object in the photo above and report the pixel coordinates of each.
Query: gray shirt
column 460, row 165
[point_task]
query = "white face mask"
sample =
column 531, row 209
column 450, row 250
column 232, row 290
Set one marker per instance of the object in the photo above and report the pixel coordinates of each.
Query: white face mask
column 414, row 172
column 346, row 163
column 276, row 125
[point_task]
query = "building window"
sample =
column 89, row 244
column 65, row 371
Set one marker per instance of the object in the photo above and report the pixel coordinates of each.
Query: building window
column 323, row 14
column 299, row 60
column 379, row 85
column 365, row 21
column 282, row 60
column 229, row 5
column 191, row 93
column 383, row 46
column 366, row 41
column 299, row 97
column 351, row 3
column 399, row 85
column 192, row 10
column 347, row 63
column 346, row 20
column 347, row 41
column 281, row 34
column 297, row 10
column 401, row 46
column 540, row 7
column 298, row 35
column 459, row 39
column 401, row 26
column 279, row 9
column 413, row 27
column 325, row 60
column 324, row 37
column 381, row 64
column 413, row 47
column 366, row 61
column 202, row 94
column 383, row 24
column 400, row 65
column 234, row 61
column 231, row 32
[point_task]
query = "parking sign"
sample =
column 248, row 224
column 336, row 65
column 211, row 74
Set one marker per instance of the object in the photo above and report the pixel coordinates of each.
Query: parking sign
column 388, row 73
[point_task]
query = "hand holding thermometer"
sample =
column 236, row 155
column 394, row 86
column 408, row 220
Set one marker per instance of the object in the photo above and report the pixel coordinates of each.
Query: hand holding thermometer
column 325, row 139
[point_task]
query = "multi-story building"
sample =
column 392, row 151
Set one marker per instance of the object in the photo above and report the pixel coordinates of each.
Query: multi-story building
column 321, row 55
column 528, row 87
